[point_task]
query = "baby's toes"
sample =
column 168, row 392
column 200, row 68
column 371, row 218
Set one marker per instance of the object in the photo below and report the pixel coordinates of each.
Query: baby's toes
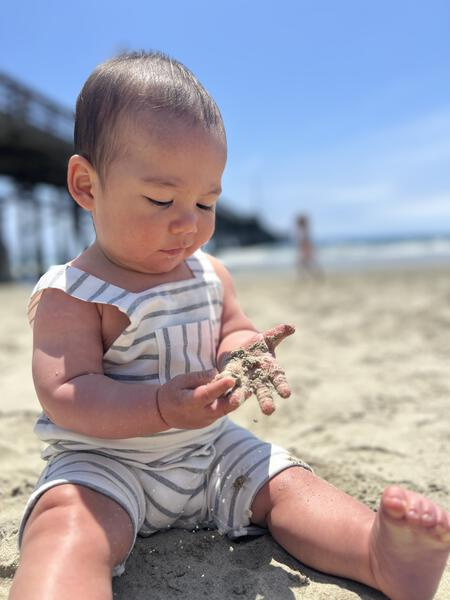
column 415, row 510
column 433, row 520
column 394, row 502
column 442, row 527
column 430, row 513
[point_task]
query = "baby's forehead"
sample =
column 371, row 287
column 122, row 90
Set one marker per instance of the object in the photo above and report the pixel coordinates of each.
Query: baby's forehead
column 156, row 124
column 160, row 139
column 163, row 128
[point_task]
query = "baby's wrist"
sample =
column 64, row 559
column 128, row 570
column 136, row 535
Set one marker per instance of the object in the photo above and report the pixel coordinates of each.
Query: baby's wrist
column 158, row 408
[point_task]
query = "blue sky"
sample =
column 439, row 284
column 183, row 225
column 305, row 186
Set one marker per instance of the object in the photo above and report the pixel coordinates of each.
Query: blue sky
column 337, row 108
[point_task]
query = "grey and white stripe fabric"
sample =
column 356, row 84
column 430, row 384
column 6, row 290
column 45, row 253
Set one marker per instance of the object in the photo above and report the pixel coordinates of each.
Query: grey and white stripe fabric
column 174, row 328
column 214, row 490
column 176, row 478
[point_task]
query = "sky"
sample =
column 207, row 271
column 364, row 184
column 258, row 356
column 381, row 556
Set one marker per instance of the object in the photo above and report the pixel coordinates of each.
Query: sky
column 339, row 109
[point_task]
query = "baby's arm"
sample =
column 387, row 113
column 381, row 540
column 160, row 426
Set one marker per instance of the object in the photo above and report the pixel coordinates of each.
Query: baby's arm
column 75, row 393
column 236, row 328
column 249, row 356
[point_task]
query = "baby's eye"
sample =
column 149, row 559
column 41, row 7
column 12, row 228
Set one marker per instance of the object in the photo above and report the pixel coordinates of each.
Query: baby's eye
column 206, row 207
column 159, row 202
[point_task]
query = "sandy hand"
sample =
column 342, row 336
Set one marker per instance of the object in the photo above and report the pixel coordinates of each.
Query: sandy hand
column 256, row 371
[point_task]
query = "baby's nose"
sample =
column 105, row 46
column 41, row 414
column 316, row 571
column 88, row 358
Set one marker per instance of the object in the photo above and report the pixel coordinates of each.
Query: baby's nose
column 184, row 223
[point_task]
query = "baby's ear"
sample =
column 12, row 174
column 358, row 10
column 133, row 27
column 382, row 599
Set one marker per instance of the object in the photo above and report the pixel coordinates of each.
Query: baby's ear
column 81, row 176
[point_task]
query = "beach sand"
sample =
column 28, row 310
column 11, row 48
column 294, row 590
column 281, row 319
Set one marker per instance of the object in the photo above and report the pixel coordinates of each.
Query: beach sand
column 370, row 406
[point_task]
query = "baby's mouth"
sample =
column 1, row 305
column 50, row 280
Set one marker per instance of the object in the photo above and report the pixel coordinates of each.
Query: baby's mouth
column 178, row 249
column 173, row 251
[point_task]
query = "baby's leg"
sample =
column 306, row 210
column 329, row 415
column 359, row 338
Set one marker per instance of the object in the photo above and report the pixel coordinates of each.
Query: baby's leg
column 72, row 540
column 401, row 550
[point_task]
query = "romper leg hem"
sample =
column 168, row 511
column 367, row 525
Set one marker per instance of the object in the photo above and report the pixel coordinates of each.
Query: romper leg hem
column 244, row 464
column 122, row 491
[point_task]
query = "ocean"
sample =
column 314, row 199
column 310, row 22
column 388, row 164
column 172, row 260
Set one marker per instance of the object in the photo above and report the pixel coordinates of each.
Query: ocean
column 344, row 256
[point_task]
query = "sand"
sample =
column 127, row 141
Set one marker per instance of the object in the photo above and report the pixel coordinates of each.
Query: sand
column 369, row 368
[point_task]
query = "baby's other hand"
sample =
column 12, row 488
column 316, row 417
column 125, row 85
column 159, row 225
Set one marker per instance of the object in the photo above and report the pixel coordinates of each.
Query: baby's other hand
column 194, row 400
column 256, row 371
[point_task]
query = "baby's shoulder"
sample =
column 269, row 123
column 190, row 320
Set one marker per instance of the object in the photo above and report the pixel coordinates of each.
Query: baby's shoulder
column 51, row 305
column 54, row 296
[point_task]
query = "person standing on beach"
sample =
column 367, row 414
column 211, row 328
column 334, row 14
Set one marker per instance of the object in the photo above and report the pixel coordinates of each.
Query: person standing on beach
column 306, row 256
column 141, row 349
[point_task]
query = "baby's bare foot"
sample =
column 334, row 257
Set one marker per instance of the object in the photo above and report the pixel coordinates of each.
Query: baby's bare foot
column 410, row 543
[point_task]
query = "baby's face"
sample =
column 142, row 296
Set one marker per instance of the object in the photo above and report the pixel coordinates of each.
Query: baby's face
column 156, row 206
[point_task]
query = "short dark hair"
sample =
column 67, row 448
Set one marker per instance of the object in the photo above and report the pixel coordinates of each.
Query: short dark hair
column 135, row 82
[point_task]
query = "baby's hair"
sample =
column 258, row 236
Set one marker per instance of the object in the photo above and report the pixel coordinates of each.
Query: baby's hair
column 131, row 84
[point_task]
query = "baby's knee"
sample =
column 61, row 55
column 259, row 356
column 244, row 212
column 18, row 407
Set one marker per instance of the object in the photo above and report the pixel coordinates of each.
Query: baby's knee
column 280, row 488
column 59, row 512
column 56, row 498
column 81, row 520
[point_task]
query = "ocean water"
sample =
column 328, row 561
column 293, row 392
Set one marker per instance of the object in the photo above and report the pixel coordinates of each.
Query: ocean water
column 338, row 256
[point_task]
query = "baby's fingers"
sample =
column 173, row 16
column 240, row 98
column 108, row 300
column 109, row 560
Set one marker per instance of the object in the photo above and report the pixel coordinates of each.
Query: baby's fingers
column 274, row 336
column 239, row 395
column 206, row 394
column 280, row 383
column 193, row 380
column 264, row 396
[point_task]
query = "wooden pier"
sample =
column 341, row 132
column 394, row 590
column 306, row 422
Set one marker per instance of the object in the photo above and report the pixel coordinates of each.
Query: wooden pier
column 35, row 144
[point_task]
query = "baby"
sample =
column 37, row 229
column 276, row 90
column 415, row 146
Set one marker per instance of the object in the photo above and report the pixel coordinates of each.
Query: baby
column 129, row 338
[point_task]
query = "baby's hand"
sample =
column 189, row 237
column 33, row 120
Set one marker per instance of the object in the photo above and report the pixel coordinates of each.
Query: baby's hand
column 194, row 400
column 255, row 370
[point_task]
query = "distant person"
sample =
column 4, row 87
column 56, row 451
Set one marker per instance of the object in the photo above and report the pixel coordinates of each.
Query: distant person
column 127, row 338
column 5, row 273
column 306, row 257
